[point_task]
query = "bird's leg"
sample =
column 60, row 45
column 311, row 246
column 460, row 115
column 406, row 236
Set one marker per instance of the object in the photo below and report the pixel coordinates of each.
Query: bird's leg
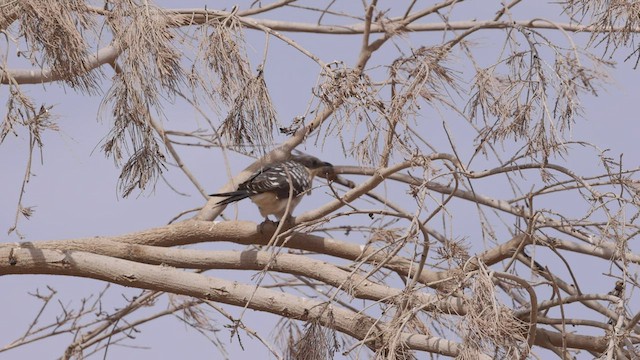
column 288, row 221
column 267, row 226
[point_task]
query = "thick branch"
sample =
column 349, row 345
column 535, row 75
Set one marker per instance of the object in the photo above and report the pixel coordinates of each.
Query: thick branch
column 167, row 279
column 239, row 232
column 200, row 16
column 354, row 284
column 106, row 55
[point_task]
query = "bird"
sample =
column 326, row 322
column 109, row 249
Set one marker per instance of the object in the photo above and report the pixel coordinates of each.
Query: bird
column 271, row 187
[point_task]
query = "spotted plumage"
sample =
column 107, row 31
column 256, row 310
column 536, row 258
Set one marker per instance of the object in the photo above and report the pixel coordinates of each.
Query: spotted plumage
column 271, row 187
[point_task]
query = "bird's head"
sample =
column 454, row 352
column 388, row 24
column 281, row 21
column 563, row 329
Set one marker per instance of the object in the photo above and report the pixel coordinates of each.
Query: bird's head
column 317, row 166
column 310, row 162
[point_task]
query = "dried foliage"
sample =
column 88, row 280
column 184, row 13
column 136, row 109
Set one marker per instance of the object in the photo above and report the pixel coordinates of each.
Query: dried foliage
column 358, row 112
column 150, row 68
column 490, row 326
column 54, row 31
column 252, row 118
column 363, row 109
column 20, row 109
column 421, row 76
column 317, row 342
column 603, row 16
column 223, row 52
column 22, row 113
column 9, row 12
column 531, row 100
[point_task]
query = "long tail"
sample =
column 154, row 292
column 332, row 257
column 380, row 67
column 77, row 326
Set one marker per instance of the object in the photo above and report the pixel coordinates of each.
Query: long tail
column 231, row 196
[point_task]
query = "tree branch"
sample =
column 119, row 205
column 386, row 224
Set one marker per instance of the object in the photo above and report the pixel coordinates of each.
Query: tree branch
column 106, row 55
column 167, row 279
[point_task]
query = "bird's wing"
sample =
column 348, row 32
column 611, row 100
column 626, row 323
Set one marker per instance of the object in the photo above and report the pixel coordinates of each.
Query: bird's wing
column 276, row 178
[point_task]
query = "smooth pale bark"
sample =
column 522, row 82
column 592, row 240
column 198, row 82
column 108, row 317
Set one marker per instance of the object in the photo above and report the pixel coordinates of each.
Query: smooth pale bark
column 244, row 233
column 352, row 283
column 31, row 260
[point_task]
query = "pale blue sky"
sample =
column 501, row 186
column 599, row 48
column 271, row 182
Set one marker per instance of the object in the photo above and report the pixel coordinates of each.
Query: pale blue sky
column 74, row 188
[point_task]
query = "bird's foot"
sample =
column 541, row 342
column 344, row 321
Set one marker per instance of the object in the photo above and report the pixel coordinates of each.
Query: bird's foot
column 289, row 221
column 267, row 226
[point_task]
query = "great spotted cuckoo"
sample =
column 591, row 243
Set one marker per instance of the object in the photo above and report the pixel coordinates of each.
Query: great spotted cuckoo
column 278, row 185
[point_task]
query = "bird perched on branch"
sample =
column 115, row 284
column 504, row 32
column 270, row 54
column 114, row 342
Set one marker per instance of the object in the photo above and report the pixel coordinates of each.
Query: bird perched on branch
column 278, row 185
